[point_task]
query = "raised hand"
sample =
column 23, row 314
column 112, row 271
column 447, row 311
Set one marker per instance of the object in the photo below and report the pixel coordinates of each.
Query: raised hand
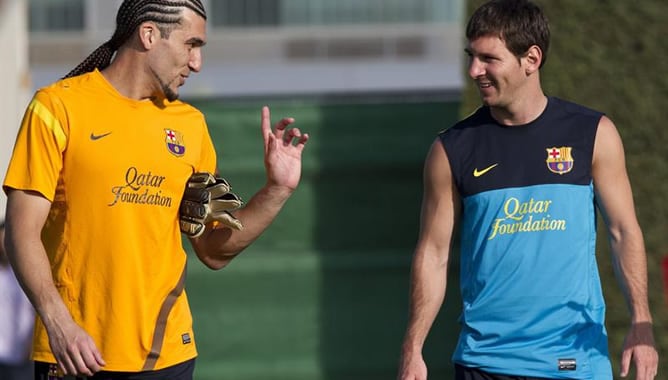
column 282, row 151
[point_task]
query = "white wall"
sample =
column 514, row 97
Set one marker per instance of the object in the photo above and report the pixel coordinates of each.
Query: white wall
column 16, row 87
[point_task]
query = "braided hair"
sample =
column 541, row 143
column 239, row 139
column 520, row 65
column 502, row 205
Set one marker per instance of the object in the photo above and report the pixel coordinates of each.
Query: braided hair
column 165, row 13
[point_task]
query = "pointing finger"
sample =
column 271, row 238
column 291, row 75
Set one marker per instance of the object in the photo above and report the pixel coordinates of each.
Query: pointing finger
column 266, row 123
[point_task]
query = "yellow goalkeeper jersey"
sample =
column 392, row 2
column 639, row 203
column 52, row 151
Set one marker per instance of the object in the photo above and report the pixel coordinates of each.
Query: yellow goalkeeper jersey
column 114, row 169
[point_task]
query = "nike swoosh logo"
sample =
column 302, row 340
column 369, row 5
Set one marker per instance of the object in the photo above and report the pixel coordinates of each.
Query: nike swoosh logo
column 97, row 137
column 478, row 173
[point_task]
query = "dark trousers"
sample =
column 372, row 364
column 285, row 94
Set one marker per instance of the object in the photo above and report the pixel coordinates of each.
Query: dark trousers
column 182, row 371
column 466, row 373
column 23, row 371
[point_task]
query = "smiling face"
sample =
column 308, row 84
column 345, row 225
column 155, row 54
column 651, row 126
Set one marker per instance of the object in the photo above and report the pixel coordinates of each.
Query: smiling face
column 500, row 76
column 172, row 59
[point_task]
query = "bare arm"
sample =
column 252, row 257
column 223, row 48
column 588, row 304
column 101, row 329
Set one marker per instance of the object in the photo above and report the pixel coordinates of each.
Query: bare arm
column 615, row 200
column 440, row 208
column 282, row 158
column 3, row 255
column 74, row 350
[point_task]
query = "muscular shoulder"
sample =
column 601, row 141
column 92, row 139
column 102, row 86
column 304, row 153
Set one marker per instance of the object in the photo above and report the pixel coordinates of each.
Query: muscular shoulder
column 608, row 143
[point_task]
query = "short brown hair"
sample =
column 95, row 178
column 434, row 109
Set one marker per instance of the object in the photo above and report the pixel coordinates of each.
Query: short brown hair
column 519, row 23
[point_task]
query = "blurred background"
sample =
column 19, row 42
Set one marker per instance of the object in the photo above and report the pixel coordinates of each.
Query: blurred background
column 322, row 295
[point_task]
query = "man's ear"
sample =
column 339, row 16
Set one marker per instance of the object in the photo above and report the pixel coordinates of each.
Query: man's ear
column 148, row 34
column 532, row 59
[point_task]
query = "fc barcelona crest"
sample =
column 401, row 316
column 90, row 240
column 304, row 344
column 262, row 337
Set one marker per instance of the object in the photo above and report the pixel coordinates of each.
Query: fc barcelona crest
column 559, row 160
column 174, row 140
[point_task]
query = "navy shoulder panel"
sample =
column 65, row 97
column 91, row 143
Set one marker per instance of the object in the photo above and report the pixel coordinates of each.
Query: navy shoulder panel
column 557, row 147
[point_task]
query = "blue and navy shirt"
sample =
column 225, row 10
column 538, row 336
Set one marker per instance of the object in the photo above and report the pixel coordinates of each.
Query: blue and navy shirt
column 532, row 299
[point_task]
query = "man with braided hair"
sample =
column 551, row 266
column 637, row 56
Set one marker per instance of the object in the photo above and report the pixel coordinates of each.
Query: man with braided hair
column 94, row 186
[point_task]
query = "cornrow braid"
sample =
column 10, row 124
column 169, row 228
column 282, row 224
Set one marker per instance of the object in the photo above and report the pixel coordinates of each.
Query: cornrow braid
column 132, row 13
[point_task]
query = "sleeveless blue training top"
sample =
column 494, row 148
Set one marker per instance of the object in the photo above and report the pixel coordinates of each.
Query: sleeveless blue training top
column 532, row 299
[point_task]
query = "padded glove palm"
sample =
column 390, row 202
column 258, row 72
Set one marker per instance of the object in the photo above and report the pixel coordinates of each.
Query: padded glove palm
column 207, row 198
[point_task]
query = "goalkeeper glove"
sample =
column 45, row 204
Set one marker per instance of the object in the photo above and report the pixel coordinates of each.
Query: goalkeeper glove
column 207, row 198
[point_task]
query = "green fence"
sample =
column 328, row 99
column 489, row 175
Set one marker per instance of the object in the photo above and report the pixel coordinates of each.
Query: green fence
column 323, row 293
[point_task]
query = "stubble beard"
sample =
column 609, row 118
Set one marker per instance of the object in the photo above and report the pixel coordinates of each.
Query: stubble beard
column 170, row 94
